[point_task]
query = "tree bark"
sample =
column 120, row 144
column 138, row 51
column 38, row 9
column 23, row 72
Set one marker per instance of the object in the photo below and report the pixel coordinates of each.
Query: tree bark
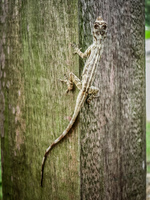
column 103, row 156
column 113, row 165
column 35, row 53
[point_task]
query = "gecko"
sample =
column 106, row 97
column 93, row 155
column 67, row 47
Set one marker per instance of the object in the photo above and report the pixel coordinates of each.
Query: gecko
column 86, row 90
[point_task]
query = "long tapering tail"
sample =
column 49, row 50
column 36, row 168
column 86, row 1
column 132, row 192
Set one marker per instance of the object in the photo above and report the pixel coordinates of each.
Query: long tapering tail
column 55, row 142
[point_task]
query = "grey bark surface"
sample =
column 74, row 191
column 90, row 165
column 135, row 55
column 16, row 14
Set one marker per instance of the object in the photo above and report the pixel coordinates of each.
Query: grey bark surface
column 113, row 129
column 103, row 156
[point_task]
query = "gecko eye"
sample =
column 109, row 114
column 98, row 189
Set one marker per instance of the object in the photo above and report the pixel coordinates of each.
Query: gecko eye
column 104, row 27
column 96, row 26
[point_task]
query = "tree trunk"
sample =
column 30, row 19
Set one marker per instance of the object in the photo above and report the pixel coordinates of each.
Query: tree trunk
column 103, row 156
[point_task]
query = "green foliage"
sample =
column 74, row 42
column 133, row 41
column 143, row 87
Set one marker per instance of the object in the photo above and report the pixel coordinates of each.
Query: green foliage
column 147, row 34
column 147, row 12
column 148, row 145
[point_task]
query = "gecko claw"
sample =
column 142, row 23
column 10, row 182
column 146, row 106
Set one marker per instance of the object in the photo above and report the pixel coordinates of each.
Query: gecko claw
column 65, row 81
column 90, row 98
column 66, row 92
column 75, row 47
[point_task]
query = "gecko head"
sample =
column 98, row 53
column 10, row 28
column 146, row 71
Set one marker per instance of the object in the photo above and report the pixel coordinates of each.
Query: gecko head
column 99, row 29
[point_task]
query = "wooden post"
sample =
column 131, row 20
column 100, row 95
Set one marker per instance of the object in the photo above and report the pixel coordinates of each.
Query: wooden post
column 113, row 165
column 103, row 156
column 36, row 52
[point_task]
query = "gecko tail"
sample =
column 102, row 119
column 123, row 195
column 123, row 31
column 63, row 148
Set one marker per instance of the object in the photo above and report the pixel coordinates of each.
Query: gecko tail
column 43, row 162
column 54, row 143
column 47, row 152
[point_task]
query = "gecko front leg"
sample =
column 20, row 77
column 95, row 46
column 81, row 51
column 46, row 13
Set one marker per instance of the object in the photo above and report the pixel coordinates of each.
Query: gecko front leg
column 80, row 53
column 72, row 79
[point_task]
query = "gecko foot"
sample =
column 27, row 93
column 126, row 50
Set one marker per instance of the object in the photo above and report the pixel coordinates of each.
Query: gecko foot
column 90, row 98
column 68, row 82
column 75, row 47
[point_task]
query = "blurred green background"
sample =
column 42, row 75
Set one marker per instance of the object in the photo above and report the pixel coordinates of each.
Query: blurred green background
column 147, row 36
column 148, row 146
column 147, row 19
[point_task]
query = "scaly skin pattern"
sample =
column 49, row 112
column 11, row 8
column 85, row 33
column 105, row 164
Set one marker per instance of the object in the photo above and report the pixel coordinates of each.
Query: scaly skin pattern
column 87, row 91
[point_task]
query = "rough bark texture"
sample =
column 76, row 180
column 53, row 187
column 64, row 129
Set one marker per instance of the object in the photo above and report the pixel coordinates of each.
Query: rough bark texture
column 113, row 129
column 35, row 53
column 34, row 110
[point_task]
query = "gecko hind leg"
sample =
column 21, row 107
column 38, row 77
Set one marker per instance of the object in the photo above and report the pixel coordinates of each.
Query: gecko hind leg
column 72, row 79
column 92, row 94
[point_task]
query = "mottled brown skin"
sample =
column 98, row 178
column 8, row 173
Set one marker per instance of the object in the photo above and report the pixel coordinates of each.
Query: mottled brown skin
column 93, row 55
